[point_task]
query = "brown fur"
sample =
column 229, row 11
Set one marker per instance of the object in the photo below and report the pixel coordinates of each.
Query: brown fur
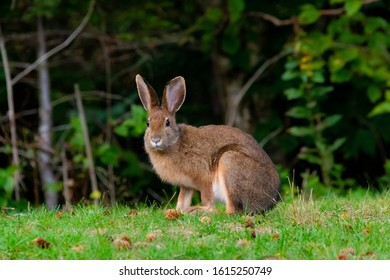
column 221, row 162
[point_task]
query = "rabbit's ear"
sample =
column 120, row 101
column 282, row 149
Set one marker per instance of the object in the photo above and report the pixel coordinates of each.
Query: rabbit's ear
column 146, row 93
column 174, row 94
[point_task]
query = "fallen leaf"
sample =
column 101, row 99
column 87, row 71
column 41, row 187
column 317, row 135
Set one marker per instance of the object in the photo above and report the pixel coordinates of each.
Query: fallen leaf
column 241, row 243
column 59, row 214
column 78, row 248
column 44, row 244
column 122, row 242
column 172, row 214
column 347, row 251
column 249, row 222
column 344, row 215
column 275, row 236
column 133, row 213
column 151, row 236
column 367, row 230
column 205, row 220
column 370, row 255
column 253, row 234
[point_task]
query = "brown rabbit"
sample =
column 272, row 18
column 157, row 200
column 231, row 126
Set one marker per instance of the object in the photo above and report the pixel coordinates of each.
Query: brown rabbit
column 221, row 162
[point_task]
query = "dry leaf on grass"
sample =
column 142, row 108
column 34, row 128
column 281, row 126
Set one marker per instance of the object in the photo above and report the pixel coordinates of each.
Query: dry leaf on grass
column 78, row 248
column 151, row 236
column 275, row 235
column 132, row 213
column 241, row 243
column 172, row 214
column 122, row 242
column 205, row 220
column 249, row 222
column 345, row 253
column 44, row 244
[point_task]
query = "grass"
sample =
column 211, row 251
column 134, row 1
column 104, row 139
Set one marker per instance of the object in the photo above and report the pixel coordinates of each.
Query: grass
column 351, row 227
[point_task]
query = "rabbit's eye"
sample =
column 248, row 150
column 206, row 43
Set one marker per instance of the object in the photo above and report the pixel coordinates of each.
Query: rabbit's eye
column 167, row 122
column 147, row 123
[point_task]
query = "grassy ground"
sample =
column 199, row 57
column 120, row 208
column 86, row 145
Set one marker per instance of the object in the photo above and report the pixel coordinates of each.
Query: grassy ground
column 352, row 227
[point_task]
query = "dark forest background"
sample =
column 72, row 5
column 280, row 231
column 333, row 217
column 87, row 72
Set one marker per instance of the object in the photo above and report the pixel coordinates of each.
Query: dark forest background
column 310, row 80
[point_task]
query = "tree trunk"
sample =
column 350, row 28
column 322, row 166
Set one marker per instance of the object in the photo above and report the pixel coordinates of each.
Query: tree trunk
column 11, row 116
column 45, row 125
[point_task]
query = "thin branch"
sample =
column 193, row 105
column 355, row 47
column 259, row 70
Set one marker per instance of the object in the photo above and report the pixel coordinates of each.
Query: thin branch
column 271, row 135
column 65, row 178
column 294, row 21
column 11, row 115
column 58, row 48
column 88, row 149
column 232, row 112
column 274, row 20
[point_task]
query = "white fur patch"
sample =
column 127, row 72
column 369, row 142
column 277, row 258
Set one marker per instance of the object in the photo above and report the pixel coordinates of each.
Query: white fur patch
column 219, row 188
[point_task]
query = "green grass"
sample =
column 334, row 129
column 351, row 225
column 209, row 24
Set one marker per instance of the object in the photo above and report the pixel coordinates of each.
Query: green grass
column 351, row 227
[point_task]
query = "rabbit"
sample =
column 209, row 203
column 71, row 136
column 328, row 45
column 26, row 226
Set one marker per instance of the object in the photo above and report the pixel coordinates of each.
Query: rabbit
column 221, row 162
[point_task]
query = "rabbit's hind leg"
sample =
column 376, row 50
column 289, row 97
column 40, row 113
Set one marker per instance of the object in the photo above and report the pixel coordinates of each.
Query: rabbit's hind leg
column 220, row 190
column 184, row 198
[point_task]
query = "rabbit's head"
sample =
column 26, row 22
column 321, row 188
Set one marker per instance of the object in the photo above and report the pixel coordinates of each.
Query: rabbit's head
column 162, row 131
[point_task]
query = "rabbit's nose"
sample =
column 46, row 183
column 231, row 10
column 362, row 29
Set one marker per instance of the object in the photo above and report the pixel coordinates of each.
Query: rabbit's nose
column 156, row 141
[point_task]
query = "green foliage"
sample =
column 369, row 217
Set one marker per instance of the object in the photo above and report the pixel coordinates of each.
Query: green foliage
column 41, row 8
column 308, row 97
column 135, row 125
column 309, row 14
column 324, row 59
column 7, row 184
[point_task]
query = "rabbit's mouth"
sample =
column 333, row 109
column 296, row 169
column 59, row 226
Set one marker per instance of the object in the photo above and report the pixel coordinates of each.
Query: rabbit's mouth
column 156, row 144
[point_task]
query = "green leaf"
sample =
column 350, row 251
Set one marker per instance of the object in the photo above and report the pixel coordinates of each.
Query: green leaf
column 318, row 77
column 315, row 44
column 298, row 112
column 329, row 121
column 309, row 14
column 293, row 93
column 341, row 76
column 374, row 23
column 320, row 91
column 213, row 15
column 381, row 108
column 6, row 180
column 374, row 93
column 337, row 144
column 236, row 7
column 122, row 130
column 95, row 195
column 289, row 75
column 377, row 41
column 109, row 154
column 301, row 131
column 292, row 64
column 135, row 125
column 341, row 57
column 352, row 7
column 230, row 40
column 312, row 158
